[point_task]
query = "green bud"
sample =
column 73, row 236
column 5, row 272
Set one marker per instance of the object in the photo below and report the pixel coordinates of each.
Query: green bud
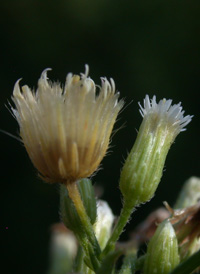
column 67, row 209
column 143, row 167
column 190, row 193
column 162, row 252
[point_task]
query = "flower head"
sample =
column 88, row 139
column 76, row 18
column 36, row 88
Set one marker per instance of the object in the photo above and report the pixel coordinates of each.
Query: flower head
column 66, row 130
column 142, row 171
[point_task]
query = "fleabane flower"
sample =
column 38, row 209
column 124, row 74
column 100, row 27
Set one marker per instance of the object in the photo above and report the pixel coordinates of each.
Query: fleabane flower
column 66, row 130
column 142, row 170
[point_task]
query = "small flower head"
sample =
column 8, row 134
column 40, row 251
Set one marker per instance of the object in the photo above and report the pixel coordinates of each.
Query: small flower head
column 66, row 130
column 103, row 225
column 143, row 168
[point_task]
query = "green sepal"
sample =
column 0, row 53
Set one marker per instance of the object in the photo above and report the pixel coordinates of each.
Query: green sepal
column 68, row 211
column 88, row 197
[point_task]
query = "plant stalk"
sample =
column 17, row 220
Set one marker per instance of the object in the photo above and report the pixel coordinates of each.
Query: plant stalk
column 118, row 229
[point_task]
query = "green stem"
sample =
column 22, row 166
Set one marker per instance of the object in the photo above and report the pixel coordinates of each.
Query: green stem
column 189, row 265
column 118, row 229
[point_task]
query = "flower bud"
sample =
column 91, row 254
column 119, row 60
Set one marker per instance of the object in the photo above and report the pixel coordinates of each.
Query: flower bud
column 162, row 252
column 103, row 225
column 143, row 168
column 190, row 193
column 63, row 250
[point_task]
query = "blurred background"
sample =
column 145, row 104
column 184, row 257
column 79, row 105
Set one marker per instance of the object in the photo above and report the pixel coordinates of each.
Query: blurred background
column 147, row 47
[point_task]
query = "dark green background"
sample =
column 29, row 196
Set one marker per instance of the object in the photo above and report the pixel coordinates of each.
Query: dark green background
column 148, row 47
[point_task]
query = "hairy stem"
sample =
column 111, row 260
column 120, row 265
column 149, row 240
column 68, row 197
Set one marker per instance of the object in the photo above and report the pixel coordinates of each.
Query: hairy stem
column 118, row 229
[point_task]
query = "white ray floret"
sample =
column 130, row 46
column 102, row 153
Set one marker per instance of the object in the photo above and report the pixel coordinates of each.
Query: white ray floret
column 164, row 111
